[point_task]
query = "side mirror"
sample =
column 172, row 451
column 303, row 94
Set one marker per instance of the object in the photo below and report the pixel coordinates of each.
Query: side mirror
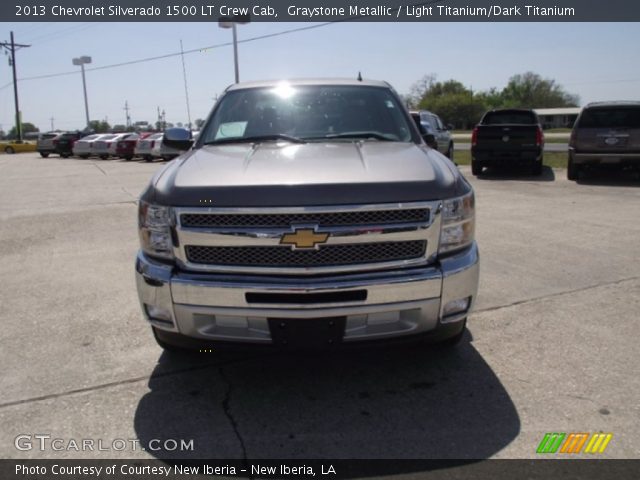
column 430, row 140
column 449, row 126
column 178, row 138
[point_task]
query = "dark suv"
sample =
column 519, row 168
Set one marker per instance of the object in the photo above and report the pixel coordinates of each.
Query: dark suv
column 605, row 133
column 64, row 143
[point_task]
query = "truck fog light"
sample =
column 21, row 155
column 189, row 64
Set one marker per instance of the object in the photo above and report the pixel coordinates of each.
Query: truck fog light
column 158, row 313
column 456, row 306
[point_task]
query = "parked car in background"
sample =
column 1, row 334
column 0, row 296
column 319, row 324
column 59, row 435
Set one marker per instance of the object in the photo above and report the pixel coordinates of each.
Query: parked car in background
column 145, row 146
column 65, row 142
column 507, row 137
column 434, row 132
column 105, row 146
column 605, row 133
column 17, row 146
column 125, row 147
column 82, row 147
column 163, row 151
column 47, row 143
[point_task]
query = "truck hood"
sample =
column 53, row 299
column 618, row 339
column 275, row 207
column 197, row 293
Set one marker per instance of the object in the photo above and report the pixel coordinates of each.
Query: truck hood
column 286, row 174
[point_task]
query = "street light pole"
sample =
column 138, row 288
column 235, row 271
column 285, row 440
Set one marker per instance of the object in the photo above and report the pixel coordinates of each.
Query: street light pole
column 231, row 22
column 82, row 61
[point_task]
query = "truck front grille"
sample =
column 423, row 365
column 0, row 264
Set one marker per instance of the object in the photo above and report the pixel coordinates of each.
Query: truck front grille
column 322, row 219
column 326, row 255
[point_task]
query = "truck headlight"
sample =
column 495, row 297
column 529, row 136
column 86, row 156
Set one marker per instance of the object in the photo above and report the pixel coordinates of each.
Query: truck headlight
column 458, row 223
column 154, row 225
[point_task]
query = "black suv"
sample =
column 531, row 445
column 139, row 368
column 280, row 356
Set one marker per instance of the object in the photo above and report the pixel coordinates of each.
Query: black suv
column 64, row 144
column 605, row 133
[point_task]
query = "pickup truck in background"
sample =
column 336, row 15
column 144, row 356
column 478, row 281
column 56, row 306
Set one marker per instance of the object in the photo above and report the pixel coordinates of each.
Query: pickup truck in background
column 307, row 213
column 507, row 137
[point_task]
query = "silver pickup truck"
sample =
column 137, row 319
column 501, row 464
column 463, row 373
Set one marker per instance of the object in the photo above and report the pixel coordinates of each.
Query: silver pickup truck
column 307, row 214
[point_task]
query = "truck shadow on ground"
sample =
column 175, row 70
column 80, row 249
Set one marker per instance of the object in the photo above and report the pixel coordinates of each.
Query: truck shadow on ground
column 514, row 173
column 610, row 177
column 413, row 401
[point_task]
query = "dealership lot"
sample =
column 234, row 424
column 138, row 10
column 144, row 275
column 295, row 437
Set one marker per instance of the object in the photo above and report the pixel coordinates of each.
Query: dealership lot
column 552, row 345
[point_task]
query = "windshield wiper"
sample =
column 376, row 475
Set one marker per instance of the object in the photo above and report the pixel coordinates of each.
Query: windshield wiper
column 374, row 135
column 256, row 139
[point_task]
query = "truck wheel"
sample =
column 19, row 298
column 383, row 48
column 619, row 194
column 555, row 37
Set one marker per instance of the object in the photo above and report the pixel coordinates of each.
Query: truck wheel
column 148, row 158
column 44, row 155
column 573, row 171
column 451, row 342
column 128, row 158
column 9, row 150
column 450, row 152
column 476, row 168
column 537, row 168
column 104, row 157
column 167, row 346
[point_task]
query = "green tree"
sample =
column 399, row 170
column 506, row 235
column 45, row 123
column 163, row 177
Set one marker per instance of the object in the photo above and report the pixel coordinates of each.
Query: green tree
column 530, row 90
column 26, row 128
column 452, row 101
column 99, row 126
column 199, row 123
column 119, row 128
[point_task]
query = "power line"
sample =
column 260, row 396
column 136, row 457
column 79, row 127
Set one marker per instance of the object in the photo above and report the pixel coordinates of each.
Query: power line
column 169, row 55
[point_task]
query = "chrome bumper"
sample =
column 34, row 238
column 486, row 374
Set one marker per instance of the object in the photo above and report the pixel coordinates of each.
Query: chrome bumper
column 396, row 303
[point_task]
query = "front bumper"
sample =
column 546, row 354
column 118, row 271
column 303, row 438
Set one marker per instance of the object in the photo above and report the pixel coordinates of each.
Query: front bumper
column 376, row 306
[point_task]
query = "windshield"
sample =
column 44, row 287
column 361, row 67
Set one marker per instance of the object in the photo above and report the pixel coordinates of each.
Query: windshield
column 308, row 113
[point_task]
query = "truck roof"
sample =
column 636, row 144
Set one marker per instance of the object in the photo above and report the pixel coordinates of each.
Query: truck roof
column 308, row 81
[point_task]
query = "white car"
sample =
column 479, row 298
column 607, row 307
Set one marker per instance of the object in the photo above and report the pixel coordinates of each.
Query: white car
column 82, row 147
column 145, row 146
column 105, row 146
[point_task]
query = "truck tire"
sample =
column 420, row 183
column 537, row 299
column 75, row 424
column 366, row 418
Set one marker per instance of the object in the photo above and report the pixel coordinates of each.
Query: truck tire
column 64, row 155
column 573, row 171
column 476, row 168
column 44, row 154
column 167, row 346
column 451, row 342
column 148, row 158
column 536, row 169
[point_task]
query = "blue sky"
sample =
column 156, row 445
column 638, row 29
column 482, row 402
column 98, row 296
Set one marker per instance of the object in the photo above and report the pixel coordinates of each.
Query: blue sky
column 597, row 61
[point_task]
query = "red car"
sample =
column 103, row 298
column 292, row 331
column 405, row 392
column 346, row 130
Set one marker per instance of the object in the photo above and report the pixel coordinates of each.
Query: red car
column 125, row 148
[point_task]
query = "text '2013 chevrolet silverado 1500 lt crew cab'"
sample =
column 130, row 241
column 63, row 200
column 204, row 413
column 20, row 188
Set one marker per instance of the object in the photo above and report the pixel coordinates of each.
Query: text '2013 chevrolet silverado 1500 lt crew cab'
column 307, row 213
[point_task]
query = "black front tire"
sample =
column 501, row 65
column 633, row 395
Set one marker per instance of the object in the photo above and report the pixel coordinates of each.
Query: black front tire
column 148, row 158
column 44, row 154
column 168, row 347
column 536, row 169
column 450, row 152
column 476, row 168
column 452, row 342
column 573, row 170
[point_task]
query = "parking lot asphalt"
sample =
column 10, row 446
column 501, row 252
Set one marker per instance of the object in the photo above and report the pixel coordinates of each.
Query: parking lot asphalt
column 551, row 347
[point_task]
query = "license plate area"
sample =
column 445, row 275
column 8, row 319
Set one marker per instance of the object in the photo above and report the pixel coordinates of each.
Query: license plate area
column 315, row 333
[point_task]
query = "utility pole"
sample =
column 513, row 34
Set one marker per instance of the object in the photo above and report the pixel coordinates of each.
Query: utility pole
column 52, row 119
column 186, row 89
column 126, row 109
column 11, row 48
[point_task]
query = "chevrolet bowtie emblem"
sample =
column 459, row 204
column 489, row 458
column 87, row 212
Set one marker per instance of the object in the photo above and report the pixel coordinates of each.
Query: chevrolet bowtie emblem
column 303, row 238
